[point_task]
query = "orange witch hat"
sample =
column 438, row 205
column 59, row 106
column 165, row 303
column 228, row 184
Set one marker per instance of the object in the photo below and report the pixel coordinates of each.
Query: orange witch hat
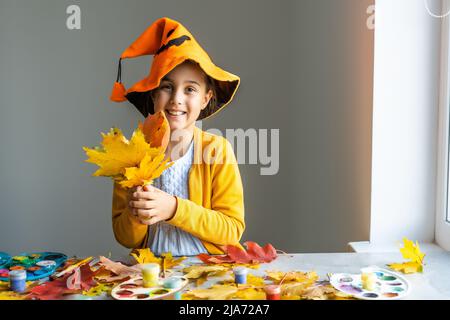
column 171, row 44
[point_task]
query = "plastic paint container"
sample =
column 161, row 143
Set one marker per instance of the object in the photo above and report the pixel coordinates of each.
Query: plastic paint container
column 273, row 292
column 150, row 274
column 240, row 275
column 17, row 280
column 368, row 279
column 174, row 283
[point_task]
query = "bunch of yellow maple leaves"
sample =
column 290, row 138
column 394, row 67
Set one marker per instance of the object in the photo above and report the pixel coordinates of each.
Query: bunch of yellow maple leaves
column 134, row 162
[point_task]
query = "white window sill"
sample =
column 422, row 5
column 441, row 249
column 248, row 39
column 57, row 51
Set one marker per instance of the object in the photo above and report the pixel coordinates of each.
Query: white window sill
column 367, row 247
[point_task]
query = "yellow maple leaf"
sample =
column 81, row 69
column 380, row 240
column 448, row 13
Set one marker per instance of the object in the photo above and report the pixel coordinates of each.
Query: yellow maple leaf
column 150, row 168
column 406, row 267
column 98, row 290
column 292, row 276
column 291, row 297
column 146, row 256
column 319, row 292
column 117, row 153
column 11, row 295
column 295, row 288
column 252, row 281
column 216, row 292
column 197, row 271
column 250, row 294
column 411, row 252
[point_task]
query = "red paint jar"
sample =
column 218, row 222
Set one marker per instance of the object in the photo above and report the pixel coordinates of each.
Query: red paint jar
column 273, row 292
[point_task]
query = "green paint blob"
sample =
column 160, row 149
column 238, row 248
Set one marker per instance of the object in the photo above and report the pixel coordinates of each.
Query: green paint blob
column 388, row 278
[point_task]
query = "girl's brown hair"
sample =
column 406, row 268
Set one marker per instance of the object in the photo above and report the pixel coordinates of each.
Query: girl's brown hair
column 211, row 84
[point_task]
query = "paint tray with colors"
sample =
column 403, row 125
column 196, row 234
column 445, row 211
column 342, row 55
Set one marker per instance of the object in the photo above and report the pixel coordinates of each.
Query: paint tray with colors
column 134, row 289
column 388, row 285
column 37, row 264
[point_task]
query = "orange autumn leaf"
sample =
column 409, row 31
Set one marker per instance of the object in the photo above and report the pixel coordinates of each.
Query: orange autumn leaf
column 156, row 130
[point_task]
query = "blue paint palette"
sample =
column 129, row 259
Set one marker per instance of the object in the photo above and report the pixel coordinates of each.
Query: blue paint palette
column 386, row 285
column 4, row 259
column 38, row 265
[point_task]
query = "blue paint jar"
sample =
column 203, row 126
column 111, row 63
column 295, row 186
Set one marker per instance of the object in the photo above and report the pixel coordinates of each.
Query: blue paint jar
column 240, row 275
column 17, row 280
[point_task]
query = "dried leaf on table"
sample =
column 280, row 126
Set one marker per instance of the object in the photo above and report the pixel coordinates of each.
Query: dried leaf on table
column 51, row 290
column 319, row 292
column 291, row 297
column 252, row 281
column 294, row 283
column 294, row 288
column 118, row 268
column 411, row 252
column 197, row 271
column 253, row 255
column 170, row 261
column 146, row 256
column 406, row 267
column 292, row 276
column 98, row 290
column 82, row 278
column 11, row 295
column 217, row 292
column 250, row 294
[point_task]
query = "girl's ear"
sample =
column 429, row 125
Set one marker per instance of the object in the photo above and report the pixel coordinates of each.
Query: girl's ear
column 208, row 97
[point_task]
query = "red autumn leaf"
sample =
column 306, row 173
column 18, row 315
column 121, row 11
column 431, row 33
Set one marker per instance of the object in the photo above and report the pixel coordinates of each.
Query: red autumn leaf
column 253, row 255
column 265, row 254
column 82, row 278
column 238, row 255
column 51, row 290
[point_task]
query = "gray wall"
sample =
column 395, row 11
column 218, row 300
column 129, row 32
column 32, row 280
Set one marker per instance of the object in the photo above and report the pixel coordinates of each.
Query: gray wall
column 306, row 68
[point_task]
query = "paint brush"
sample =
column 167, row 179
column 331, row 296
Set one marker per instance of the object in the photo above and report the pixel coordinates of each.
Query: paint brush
column 72, row 267
column 163, row 269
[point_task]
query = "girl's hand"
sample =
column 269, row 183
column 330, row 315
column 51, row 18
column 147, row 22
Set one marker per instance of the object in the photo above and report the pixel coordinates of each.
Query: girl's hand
column 151, row 205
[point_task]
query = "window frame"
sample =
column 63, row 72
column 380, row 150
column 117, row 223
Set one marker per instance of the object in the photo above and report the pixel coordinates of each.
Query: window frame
column 442, row 225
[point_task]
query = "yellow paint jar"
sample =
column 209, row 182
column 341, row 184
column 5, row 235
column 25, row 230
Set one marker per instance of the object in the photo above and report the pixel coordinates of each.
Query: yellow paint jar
column 150, row 274
column 368, row 280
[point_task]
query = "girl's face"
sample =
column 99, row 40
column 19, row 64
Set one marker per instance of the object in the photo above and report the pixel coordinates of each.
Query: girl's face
column 182, row 95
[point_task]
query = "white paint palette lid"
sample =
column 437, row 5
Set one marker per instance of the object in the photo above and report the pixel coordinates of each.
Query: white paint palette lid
column 388, row 285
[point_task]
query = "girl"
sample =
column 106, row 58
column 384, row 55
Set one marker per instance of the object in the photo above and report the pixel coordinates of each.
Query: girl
column 197, row 205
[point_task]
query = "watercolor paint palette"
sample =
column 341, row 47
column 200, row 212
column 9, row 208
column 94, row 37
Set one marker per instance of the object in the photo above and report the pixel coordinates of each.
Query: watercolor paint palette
column 133, row 289
column 388, row 285
column 37, row 264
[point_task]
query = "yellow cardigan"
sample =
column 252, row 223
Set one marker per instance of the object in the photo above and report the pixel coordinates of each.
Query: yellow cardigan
column 214, row 212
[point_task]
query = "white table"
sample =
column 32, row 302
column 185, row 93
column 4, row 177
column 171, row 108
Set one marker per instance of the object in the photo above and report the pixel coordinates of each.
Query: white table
column 433, row 283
